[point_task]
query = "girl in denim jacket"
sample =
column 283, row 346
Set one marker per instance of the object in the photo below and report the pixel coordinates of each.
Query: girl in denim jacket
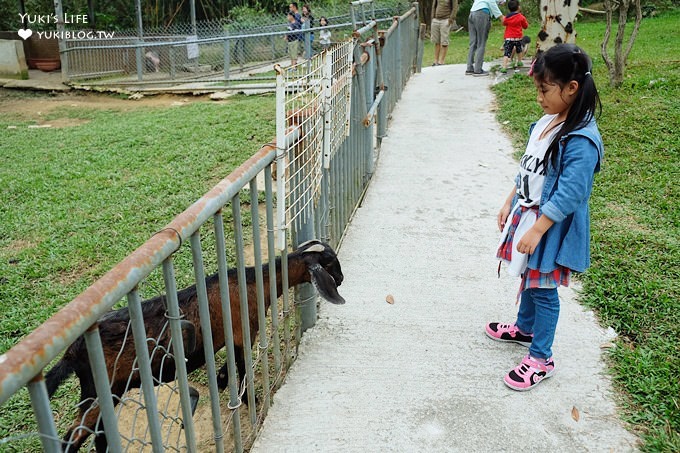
column 545, row 221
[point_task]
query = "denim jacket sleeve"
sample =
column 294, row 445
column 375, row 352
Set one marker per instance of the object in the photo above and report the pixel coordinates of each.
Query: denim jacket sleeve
column 579, row 161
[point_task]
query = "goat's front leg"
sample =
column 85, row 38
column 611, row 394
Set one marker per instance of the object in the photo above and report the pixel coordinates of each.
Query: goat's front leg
column 223, row 373
column 81, row 429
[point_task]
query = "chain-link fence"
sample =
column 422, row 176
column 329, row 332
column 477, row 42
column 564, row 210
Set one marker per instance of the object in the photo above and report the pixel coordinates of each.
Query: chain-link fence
column 213, row 51
column 148, row 373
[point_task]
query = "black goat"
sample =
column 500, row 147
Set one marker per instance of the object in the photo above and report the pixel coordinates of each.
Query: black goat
column 313, row 262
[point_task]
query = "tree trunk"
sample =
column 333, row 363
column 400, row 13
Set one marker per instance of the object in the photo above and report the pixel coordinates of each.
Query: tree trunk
column 617, row 65
column 557, row 23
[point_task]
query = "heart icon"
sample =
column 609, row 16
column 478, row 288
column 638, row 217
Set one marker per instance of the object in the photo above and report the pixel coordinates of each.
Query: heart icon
column 25, row 34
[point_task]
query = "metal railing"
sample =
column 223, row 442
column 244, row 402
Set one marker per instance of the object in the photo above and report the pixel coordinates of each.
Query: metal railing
column 331, row 112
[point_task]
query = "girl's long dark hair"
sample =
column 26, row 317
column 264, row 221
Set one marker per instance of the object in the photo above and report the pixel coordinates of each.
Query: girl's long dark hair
column 561, row 64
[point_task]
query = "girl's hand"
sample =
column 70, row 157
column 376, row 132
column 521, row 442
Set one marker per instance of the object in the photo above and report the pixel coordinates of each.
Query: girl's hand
column 503, row 216
column 527, row 244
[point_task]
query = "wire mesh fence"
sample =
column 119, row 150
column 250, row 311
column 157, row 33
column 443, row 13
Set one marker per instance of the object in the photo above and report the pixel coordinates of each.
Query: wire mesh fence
column 217, row 50
column 195, row 368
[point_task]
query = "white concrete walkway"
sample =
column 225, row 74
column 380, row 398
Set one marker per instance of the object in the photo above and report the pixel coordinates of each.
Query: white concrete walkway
column 420, row 375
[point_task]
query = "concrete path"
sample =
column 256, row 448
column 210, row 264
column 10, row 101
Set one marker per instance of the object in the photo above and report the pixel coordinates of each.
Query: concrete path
column 420, row 375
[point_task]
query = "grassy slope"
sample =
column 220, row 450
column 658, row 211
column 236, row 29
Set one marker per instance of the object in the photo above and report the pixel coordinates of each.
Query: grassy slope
column 634, row 282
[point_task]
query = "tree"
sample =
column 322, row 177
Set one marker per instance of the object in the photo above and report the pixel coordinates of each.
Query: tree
column 557, row 23
column 618, row 64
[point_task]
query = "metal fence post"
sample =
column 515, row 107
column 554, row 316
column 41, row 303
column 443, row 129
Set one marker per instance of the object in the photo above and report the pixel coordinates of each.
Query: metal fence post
column 259, row 282
column 145, row 373
column 208, row 347
column 324, row 203
column 227, row 324
column 306, row 294
column 59, row 12
column 227, row 56
column 102, row 385
column 178, row 351
column 43, row 414
column 243, row 299
column 171, row 56
column 140, row 40
column 269, row 203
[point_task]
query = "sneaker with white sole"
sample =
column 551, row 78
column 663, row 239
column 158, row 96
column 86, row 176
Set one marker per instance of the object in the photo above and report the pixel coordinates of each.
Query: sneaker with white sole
column 508, row 333
column 529, row 373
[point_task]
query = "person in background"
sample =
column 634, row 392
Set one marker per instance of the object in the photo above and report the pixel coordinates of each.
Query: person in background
column 324, row 35
column 515, row 23
column 443, row 17
column 307, row 16
column 307, row 22
column 479, row 25
column 293, row 38
column 293, row 8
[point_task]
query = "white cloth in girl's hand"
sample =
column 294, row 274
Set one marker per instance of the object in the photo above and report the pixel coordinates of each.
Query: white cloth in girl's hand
column 518, row 261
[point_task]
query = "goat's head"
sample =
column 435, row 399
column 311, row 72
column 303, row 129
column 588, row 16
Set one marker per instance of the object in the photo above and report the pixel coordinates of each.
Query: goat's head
column 324, row 269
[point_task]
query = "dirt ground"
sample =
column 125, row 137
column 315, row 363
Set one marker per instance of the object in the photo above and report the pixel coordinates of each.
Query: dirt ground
column 35, row 105
column 133, row 428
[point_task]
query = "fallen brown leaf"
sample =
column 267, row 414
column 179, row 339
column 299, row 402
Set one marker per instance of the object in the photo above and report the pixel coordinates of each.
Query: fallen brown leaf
column 389, row 299
column 575, row 414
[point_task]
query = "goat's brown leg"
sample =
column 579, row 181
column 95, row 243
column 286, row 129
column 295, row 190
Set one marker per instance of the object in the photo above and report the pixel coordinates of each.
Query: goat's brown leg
column 87, row 424
column 223, row 373
column 81, row 429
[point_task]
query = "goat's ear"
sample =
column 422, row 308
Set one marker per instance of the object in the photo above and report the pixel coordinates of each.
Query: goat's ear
column 316, row 248
column 325, row 284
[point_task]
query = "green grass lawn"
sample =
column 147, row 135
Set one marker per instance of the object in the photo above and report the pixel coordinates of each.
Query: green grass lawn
column 78, row 199
column 634, row 281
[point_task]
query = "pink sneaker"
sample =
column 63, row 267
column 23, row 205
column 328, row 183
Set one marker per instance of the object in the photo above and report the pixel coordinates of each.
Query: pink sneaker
column 529, row 373
column 508, row 333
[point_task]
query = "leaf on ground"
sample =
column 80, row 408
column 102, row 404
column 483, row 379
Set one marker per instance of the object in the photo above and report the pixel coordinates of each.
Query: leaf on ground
column 575, row 414
column 389, row 299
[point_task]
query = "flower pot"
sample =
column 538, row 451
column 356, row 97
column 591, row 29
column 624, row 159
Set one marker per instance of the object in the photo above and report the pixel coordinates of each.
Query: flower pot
column 44, row 64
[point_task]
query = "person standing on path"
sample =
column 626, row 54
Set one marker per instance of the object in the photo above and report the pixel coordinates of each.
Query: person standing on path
column 545, row 221
column 293, row 38
column 324, row 35
column 443, row 17
column 479, row 25
column 293, row 8
column 515, row 23
column 307, row 22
